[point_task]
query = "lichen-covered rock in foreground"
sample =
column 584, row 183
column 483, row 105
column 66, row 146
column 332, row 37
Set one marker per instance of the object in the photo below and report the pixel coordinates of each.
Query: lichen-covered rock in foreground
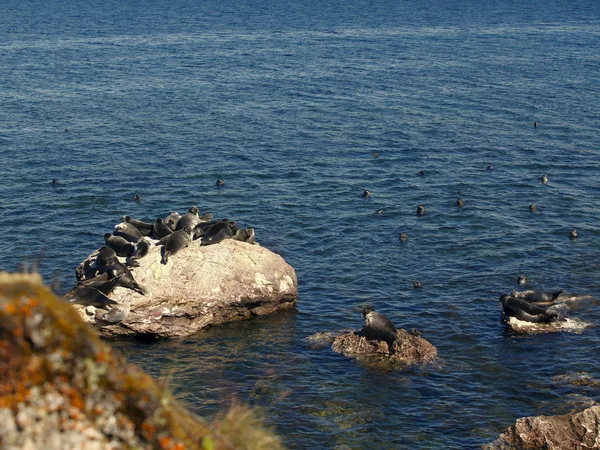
column 63, row 388
column 413, row 350
column 566, row 432
column 201, row 286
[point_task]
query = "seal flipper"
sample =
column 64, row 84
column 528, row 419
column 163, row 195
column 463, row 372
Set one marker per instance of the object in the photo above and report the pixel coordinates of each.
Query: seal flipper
column 165, row 258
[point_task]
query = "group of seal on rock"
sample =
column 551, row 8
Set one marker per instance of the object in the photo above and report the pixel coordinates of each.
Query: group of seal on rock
column 131, row 239
column 526, row 306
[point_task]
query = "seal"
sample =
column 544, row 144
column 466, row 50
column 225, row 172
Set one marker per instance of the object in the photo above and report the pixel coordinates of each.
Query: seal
column 245, row 235
column 220, row 183
column 160, row 229
column 532, row 208
column 460, row 202
column 137, row 198
column 189, row 219
column 522, row 279
column 140, row 249
column 417, row 284
column 544, row 179
column 127, row 231
column 172, row 219
column 403, row 237
column 174, row 242
column 366, row 194
column 523, row 310
column 89, row 296
column 537, row 296
column 536, row 124
column 420, row 210
column 101, row 283
column 117, row 313
column 573, row 234
column 422, row 173
column 375, row 155
column 115, row 269
column 143, row 227
column 120, row 245
column 378, row 327
column 379, row 212
column 219, row 232
column 490, row 167
column 85, row 270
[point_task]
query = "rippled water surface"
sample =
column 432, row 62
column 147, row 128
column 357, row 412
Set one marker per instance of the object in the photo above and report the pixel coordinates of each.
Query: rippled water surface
column 287, row 101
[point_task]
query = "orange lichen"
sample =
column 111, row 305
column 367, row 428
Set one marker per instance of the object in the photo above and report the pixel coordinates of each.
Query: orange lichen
column 165, row 442
column 59, row 364
column 148, row 430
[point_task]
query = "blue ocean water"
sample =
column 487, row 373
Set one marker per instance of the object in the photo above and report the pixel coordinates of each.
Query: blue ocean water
column 287, row 101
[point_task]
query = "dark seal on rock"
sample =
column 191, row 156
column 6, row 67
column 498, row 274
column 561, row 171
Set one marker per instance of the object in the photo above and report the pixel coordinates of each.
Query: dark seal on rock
column 121, row 246
column 174, row 242
column 380, row 338
column 143, row 227
column 172, row 219
column 378, row 327
column 140, row 249
column 523, row 310
column 89, row 296
column 537, row 296
column 245, row 235
column 116, row 269
column 127, row 231
column 160, row 229
column 189, row 219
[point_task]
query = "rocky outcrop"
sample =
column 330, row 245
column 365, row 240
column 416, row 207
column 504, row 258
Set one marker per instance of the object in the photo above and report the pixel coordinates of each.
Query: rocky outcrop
column 63, row 388
column 199, row 286
column 570, row 431
column 412, row 350
column 567, row 325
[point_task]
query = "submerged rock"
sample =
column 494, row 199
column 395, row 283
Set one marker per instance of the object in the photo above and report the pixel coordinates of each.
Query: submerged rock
column 569, row 431
column 412, row 350
column 199, row 286
column 63, row 388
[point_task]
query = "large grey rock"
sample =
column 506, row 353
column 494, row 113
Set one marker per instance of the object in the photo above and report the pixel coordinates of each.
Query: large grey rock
column 200, row 286
column 570, row 431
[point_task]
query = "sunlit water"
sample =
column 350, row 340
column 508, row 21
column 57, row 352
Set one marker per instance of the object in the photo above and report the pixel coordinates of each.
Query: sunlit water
column 287, row 101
